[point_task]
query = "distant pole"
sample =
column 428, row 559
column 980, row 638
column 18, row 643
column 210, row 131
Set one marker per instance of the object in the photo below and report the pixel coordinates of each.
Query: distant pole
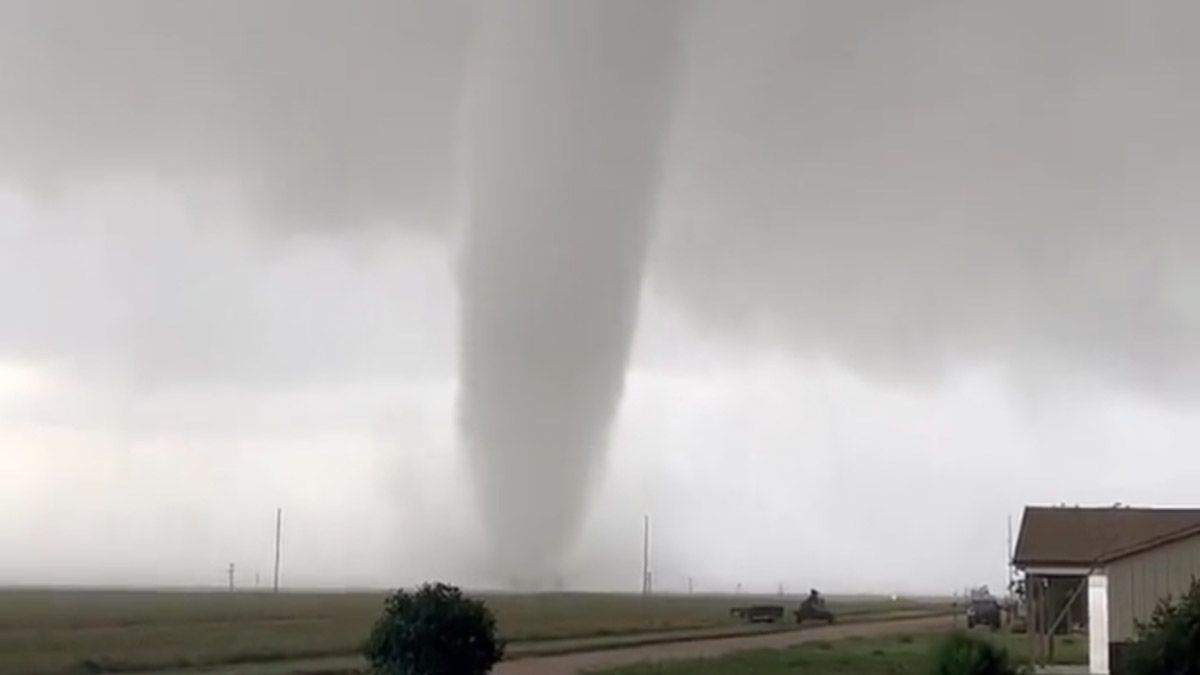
column 689, row 585
column 278, row 532
column 231, row 576
column 1008, row 563
column 646, row 556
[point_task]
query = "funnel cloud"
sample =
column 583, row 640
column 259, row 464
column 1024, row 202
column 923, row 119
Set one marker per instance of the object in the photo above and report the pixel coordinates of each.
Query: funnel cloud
column 567, row 114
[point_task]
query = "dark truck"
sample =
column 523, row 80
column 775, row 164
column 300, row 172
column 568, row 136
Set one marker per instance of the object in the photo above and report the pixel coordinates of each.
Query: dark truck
column 759, row 613
column 814, row 609
column 983, row 611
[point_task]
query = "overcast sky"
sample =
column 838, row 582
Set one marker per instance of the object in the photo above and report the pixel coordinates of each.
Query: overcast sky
column 885, row 272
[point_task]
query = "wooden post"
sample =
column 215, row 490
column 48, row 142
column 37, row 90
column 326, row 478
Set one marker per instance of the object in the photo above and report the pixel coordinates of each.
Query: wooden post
column 1033, row 588
column 1029, row 627
column 1047, row 635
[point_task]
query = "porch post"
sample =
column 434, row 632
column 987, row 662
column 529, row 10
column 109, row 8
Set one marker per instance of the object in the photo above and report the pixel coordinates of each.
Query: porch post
column 1098, row 623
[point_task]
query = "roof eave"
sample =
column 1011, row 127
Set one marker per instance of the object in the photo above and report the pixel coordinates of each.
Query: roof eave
column 1142, row 547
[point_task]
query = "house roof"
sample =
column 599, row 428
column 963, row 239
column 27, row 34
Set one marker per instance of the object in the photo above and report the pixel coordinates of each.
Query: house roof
column 1082, row 537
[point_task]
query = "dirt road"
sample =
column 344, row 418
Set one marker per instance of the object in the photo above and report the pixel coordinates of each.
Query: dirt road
column 575, row 663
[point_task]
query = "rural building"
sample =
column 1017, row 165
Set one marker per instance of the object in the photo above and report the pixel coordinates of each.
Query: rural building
column 1104, row 568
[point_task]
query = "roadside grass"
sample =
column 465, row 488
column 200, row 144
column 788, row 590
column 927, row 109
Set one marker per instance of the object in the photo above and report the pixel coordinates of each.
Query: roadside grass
column 855, row 656
column 1068, row 649
column 876, row 656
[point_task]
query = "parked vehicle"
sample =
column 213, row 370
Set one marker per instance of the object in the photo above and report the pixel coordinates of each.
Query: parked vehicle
column 759, row 613
column 814, row 609
column 984, row 612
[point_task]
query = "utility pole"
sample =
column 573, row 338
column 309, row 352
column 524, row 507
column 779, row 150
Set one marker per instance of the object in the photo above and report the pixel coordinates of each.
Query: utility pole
column 1008, row 562
column 646, row 556
column 278, row 531
column 230, row 576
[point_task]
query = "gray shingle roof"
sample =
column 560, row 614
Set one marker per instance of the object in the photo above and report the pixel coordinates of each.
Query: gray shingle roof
column 1081, row 537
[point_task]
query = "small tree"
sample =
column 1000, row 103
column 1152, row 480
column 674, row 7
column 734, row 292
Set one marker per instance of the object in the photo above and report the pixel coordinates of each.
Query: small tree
column 434, row 631
column 962, row 654
column 1169, row 644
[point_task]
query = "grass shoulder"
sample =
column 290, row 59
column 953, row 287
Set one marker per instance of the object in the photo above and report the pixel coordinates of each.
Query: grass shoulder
column 852, row 656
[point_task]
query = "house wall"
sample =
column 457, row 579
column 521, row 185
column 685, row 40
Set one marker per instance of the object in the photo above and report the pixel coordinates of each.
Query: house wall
column 1136, row 584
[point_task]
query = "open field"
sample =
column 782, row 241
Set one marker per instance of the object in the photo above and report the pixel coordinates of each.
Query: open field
column 59, row 631
column 614, row 655
column 853, row 656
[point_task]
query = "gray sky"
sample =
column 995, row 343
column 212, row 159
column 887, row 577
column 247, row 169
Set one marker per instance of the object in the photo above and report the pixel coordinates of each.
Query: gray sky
column 905, row 267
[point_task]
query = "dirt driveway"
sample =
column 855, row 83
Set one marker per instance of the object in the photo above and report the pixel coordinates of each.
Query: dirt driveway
column 575, row 663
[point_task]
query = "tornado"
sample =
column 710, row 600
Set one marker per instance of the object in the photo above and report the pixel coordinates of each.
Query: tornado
column 566, row 113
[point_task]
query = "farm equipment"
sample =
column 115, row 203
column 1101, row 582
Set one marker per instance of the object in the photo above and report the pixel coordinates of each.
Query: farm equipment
column 759, row 613
column 814, row 609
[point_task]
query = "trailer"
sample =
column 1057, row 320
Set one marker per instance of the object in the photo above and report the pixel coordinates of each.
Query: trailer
column 759, row 613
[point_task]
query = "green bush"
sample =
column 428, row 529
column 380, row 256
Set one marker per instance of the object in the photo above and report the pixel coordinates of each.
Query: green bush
column 1170, row 643
column 435, row 631
column 962, row 654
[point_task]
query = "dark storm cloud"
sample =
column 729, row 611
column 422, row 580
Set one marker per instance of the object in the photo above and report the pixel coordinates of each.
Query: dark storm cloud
column 902, row 184
column 903, row 187
column 324, row 113
column 182, row 122
column 140, row 297
column 908, row 186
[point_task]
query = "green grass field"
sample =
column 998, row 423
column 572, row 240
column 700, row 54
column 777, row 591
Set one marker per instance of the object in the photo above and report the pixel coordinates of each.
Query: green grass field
column 59, row 632
column 882, row 656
